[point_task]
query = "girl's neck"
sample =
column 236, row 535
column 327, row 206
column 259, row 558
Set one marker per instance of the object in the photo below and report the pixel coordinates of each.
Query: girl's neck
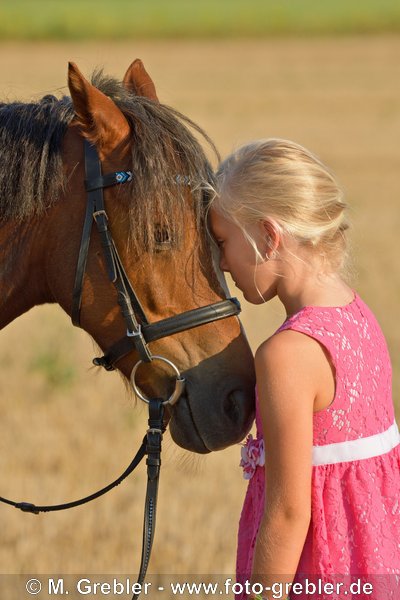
column 322, row 290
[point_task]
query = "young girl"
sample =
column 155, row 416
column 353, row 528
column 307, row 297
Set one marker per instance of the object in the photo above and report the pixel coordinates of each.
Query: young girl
column 323, row 501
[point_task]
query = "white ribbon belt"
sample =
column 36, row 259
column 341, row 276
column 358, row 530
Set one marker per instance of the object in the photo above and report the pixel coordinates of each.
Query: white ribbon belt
column 368, row 447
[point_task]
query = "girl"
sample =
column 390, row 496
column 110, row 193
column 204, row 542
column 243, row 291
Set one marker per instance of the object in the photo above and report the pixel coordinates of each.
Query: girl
column 325, row 508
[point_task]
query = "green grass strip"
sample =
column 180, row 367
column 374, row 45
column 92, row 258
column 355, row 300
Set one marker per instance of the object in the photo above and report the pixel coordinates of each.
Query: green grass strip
column 133, row 19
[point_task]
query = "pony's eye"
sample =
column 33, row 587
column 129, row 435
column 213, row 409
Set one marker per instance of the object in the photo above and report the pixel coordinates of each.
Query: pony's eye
column 162, row 238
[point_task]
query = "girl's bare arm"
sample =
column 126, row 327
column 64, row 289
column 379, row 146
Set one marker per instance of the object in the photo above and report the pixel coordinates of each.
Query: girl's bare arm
column 287, row 367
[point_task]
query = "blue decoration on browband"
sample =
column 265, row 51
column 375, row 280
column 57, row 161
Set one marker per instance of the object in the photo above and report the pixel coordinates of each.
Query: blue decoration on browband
column 123, row 176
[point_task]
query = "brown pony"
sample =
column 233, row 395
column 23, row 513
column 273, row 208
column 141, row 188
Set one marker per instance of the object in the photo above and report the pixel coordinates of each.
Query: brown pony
column 158, row 226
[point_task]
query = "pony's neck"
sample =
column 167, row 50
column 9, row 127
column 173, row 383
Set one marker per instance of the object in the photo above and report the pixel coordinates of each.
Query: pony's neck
column 22, row 269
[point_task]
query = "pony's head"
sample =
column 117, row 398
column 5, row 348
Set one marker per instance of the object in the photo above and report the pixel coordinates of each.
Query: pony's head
column 157, row 223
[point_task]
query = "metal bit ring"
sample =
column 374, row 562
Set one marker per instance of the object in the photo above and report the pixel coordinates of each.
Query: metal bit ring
column 179, row 384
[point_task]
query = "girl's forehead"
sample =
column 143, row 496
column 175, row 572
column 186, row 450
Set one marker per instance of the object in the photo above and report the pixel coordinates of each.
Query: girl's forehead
column 218, row 222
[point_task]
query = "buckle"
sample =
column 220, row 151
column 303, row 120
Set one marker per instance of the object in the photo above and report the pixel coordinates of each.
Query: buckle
column 140, row 343
column 98, row 213
column 154, row 430
column 137, row 333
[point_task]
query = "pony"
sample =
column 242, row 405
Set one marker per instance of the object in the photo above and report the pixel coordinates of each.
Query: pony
column 158, row 222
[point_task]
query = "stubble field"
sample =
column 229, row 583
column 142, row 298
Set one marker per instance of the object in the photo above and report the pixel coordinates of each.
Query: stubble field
column 67, row 429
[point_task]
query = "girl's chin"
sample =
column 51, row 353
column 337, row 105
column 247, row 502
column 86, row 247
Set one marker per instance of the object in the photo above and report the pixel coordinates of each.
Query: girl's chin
column 253, row 298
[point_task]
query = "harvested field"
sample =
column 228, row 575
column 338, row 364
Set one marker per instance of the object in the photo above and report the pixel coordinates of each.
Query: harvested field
column 66, row 429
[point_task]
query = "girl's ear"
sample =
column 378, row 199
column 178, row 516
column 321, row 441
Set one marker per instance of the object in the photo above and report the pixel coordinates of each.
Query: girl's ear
column 272, row 232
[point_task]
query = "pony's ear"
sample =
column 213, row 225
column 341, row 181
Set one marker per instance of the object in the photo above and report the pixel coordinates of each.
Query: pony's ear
column 138, row 81
column 101, row 120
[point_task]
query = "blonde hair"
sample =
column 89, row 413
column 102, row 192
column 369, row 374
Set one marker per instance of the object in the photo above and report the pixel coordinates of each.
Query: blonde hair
column 282, row 180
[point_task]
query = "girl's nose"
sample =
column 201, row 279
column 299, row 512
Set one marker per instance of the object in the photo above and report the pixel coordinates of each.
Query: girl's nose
column 223, row 264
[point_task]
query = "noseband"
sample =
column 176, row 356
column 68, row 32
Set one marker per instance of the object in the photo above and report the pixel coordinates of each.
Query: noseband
column 139, row 334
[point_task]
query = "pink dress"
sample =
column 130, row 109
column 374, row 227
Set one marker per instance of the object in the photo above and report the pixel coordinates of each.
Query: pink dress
column 355, row 497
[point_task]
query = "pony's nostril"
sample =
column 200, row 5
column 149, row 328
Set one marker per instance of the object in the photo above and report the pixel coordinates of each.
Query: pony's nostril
column 232, row 405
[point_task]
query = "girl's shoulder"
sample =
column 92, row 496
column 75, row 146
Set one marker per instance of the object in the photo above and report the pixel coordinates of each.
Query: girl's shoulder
column 289, row 351
column 285, row 343
column 315, row 340
column 316, row 333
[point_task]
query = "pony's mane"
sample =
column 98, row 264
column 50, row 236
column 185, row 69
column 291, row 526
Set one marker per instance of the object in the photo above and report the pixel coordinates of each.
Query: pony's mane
column 31, row 173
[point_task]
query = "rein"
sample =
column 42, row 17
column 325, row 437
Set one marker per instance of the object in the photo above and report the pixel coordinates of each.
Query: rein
column 139, row 334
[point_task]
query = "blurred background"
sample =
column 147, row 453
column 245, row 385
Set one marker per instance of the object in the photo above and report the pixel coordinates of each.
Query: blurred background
column 326, row 75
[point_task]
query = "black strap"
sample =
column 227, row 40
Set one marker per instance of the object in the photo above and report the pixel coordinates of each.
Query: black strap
column 125, row 292
column 151, row 445
column 32, row 508
column 153, row 449
column 95, row 210
column 166, row 327
column 92, row 169
column 117, row 272
column 108, row 180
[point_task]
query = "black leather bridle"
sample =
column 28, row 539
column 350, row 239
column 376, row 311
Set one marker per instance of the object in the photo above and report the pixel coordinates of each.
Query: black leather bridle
column 139, row 331
column 139, row 334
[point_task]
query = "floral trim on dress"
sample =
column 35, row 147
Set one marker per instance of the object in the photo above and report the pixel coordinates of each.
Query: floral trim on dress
column 253, row 455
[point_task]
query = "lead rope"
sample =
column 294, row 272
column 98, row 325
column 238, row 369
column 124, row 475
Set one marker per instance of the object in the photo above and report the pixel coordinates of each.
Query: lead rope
column 153, row 450
column 151, row 445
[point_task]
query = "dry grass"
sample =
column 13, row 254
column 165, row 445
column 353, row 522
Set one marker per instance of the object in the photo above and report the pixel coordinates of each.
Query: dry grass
column 67, row 429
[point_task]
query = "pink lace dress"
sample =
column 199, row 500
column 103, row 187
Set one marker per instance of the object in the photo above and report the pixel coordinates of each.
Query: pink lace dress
column 355, row 524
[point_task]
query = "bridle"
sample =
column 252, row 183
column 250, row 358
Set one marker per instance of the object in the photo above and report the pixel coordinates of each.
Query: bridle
column 138, row 336
column 139, row 331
